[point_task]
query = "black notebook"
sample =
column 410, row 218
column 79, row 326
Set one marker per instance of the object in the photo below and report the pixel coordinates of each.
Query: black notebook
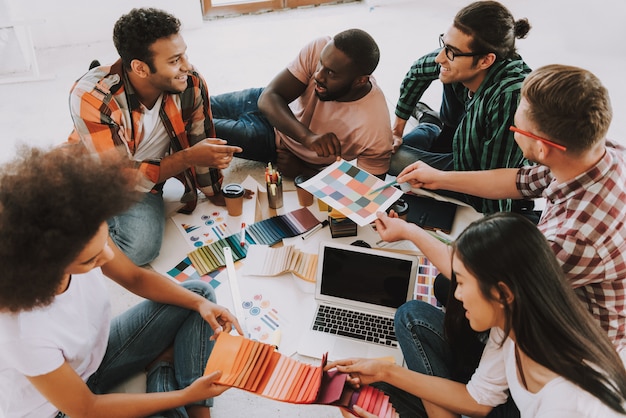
column 430, row 213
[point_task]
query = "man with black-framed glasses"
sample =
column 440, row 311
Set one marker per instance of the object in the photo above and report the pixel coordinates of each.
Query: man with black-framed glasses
column 482, row 75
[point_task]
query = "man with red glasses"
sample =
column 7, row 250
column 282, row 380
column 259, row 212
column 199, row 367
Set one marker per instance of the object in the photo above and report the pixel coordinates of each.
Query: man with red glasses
column 561, row 124
column 482, row 75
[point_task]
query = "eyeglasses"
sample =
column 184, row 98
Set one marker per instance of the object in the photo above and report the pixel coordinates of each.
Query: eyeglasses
column 538, row 138
column 451, row 55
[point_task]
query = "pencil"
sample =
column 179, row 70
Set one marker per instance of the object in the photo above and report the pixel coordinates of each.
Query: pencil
column 393, row 183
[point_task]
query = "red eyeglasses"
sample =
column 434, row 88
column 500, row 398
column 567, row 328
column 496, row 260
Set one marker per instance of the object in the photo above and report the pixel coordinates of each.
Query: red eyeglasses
column 538, row 138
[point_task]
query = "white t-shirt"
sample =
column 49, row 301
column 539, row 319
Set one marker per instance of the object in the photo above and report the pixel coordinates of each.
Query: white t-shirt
column 497, row 372
column 74, row 328
column 363, row 126
column 155, row 142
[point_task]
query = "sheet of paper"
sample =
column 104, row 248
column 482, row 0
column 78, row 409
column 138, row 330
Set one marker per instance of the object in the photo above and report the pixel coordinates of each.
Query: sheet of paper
column 349, row 190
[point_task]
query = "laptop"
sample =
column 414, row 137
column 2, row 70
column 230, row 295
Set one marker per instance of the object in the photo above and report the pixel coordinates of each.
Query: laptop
column 357, row 293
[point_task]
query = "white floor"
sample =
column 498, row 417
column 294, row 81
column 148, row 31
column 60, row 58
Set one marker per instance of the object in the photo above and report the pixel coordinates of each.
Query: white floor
column 247, row 51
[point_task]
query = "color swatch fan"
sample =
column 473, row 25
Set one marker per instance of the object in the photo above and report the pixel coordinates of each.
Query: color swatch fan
column 258, row 368
column 352, row 191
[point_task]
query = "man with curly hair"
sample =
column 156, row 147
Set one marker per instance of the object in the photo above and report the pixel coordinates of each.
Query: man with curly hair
column 154, row 108
column 59, row 348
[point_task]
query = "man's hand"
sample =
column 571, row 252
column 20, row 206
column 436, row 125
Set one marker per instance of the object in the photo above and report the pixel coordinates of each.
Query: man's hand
column 325, row 145
column 419, row 174
column 397, row 141
column 211, row 152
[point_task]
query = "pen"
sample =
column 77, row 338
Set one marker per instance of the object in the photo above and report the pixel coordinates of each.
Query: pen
column 392, row 183
column 242, row 240
column 315, row 229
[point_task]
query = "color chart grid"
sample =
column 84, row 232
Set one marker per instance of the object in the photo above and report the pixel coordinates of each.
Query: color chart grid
column 350, row 190
column 424, row 285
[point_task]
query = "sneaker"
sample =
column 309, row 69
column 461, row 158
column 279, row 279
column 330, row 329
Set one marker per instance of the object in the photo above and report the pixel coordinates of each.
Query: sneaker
column 424, row 114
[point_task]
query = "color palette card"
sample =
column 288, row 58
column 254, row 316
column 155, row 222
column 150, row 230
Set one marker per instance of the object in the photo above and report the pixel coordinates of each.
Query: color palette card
column 210, row 257
column 258, row 368
column 424, row 284
column 273, row 230
column 267, row 261
column 352, row 191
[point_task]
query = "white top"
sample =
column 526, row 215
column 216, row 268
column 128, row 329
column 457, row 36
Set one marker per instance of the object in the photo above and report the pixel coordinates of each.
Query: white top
column 156, row 141
column 497, row 372
column 74, row 328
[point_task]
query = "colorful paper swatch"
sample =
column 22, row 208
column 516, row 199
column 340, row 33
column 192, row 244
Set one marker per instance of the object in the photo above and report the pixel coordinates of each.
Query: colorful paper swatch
column 258, row 368
column 184, row 271
column 351, row 191
column 424, row 284
column 267, row 232
column 267, row 261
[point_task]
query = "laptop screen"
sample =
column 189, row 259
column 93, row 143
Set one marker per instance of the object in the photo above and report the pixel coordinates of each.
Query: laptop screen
column 364, row 275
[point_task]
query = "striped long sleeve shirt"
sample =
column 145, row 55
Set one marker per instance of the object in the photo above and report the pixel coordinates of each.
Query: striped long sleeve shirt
column 482, row 140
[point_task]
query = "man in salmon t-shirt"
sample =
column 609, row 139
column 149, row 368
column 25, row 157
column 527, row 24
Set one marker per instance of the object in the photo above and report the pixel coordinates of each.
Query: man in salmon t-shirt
column 324, row 105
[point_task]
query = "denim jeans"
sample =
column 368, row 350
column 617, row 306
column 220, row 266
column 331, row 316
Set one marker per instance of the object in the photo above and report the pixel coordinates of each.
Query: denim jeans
column 419, row 327
column 141, row 333
column 417, row 144
column 138, row 232
column 239, row 121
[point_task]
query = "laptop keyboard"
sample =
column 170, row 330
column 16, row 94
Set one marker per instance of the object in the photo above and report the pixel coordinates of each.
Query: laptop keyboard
column 353, row 324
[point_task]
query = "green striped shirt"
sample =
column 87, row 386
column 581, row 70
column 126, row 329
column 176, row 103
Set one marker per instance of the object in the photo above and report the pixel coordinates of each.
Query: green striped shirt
column 482, row 140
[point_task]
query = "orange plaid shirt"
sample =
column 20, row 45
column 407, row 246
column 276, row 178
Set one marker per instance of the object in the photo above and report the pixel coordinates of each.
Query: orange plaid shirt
column 107, row 114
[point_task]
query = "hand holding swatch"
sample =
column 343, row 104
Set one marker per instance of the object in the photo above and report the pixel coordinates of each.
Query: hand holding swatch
column 258, row 368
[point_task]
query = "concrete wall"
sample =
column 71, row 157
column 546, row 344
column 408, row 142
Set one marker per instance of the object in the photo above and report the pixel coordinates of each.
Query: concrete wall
column 68, row 22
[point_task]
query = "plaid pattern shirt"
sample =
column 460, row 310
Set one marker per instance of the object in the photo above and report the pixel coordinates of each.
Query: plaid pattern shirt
column 585, row 222
column 482, row 140
column 107, row 114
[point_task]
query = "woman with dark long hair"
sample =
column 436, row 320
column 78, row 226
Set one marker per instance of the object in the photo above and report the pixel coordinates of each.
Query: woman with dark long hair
column 544, row 348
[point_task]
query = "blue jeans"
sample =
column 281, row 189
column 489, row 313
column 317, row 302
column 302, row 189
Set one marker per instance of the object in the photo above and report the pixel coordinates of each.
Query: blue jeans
column 141, row 333
column 417, row 143
column 239, row 121
column 138, row 232
column 419, row 327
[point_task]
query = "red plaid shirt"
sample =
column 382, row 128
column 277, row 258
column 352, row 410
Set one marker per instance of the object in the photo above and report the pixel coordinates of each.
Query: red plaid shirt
column 585, row 223
column 107, row 114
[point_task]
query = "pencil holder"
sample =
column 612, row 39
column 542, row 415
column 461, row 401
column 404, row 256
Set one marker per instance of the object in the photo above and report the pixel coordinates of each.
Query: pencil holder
column 275, row 195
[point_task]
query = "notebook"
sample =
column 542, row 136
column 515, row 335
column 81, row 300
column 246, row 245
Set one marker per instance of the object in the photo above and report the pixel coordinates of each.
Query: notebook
column 362, row 281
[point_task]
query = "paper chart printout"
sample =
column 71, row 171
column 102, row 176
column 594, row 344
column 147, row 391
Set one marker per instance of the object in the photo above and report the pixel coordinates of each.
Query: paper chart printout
column 206, row 225
column 424, row 284
column 258, row 368
column 351, row 191
column 263, row 320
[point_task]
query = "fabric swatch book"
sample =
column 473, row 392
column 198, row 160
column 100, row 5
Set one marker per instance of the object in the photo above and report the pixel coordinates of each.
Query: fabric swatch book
column 270, row 231
column 258, row 368
column 354, row 192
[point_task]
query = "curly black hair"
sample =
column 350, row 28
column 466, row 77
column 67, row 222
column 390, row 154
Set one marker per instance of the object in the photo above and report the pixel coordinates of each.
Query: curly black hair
column 52, row 203
column 135, row 32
